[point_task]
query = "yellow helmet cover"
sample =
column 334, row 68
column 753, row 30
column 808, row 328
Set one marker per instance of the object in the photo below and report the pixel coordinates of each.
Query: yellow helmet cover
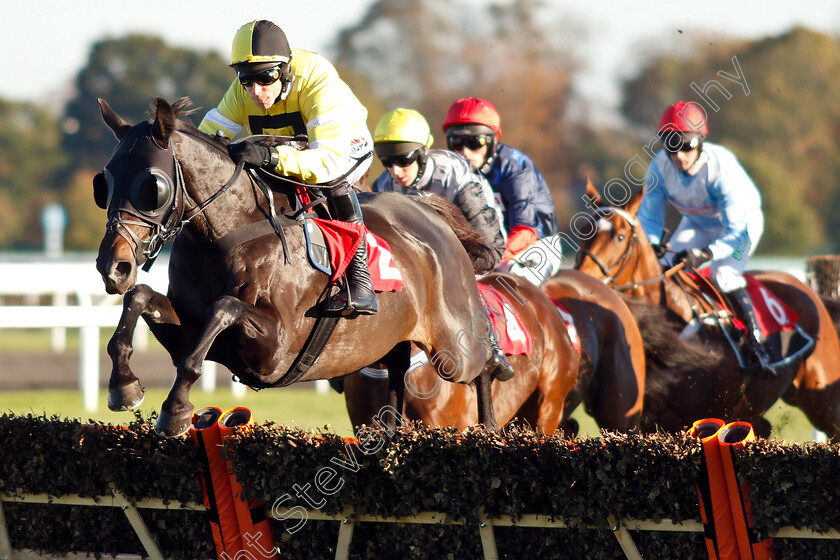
column 259, row 41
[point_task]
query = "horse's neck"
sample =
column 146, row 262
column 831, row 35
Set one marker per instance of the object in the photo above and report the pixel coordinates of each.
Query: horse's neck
column 241, row 205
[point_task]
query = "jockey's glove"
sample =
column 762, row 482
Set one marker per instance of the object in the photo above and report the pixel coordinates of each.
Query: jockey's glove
column 659, row 250
column 693, row 258
column 253, row 154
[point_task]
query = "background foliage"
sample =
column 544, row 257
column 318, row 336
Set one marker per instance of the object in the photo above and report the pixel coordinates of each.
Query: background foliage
column 427, row 53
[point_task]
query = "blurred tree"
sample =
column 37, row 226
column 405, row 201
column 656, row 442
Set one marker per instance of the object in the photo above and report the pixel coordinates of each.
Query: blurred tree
column 785, row 131
column 425, row 54
column 30, row 163
column 85, row 220
column 127, row 72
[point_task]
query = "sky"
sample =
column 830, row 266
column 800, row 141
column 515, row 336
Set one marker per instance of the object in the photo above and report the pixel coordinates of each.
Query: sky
column 45, row 43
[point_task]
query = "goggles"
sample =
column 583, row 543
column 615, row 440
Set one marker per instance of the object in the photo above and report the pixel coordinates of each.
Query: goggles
column 676, row 143
column 472, row 142
column 402, row 160
column 264, row 78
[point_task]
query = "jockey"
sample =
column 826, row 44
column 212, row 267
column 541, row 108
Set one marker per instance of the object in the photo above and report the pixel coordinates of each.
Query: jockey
column 289, row 92
column 402, row 139
column 473, row 127
column 722, row 220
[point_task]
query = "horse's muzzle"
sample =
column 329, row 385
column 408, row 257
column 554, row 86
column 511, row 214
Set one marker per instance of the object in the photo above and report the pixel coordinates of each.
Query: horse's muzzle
column 115, row 262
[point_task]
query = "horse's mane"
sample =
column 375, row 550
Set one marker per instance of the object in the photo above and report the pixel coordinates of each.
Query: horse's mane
column 669, row 358
column 183, row 108
column 482, row 255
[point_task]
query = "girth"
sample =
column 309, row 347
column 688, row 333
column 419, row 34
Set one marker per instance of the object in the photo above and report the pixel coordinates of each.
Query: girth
column 324, row 324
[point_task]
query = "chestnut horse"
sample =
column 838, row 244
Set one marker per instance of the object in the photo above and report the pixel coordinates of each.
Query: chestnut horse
column 536, row 393
column 253, row 303
column 685, row 382
column 611, row 381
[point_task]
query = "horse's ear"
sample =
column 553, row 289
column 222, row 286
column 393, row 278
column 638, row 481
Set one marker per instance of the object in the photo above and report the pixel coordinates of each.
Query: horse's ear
column 635, row 201
column 591, row 193
column 115, row 122
column 164, row 121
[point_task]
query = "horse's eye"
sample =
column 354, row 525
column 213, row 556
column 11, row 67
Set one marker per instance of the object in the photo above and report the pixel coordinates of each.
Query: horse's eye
column 621, row 237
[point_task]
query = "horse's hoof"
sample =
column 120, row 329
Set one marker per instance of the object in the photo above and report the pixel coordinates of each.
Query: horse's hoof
column 126, row 397
column 173, row 425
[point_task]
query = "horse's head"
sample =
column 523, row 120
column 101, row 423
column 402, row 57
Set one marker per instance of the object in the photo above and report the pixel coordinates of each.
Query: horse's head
column 617, row 251
column 142, row 188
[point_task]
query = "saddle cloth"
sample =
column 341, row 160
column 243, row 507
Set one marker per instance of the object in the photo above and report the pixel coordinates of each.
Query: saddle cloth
column 342, row 240
column 773, row 315
column 513, row 337
column 569, row 321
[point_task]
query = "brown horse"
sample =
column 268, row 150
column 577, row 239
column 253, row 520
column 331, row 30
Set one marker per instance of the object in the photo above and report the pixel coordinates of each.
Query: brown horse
column 536, row 394
column 611, row 382
column 251, row 301
column 686, row 381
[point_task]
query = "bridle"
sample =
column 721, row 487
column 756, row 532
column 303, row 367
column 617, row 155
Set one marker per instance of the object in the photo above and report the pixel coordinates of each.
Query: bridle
column 627, row 258
column 165, row 221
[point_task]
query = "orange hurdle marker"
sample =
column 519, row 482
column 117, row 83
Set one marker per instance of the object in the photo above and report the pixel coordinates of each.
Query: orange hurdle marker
column 218, row 496
column 732, row 438
column 254, row 527
column 715, row 505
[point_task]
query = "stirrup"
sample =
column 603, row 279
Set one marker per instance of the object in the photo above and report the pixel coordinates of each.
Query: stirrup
column 501, row 368
column 343, row 304
column 758, row 362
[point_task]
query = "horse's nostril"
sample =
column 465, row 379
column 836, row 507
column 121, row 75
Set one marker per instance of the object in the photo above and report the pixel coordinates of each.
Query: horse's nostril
column 122, row 270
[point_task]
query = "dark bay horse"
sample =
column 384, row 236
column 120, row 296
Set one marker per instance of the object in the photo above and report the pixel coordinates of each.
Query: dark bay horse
column 687, row 381
column 536, row 394
column 253, row 304
column 611, row 382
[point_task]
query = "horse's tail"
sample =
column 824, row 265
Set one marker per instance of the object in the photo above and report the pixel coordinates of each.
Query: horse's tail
column 482, row 255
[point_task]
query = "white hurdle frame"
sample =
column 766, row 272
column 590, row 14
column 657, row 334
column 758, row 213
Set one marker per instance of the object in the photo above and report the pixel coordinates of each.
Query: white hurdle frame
column 620, row 527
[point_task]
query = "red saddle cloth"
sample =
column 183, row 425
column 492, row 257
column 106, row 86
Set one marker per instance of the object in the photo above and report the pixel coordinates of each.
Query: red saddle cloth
column 773, row 314
column 514, row 337
column 343, row 238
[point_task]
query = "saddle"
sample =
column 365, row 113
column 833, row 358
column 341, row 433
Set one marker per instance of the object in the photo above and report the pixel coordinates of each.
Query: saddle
column 330, row 244
column 781, row 335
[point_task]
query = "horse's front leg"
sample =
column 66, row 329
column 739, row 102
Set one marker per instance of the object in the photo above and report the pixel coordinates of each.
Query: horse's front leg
column 486, row 414
column 124, row 390
column 175, row 416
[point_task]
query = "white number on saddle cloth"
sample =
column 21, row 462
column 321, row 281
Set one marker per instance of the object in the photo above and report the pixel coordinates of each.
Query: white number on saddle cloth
column 514, row 331
column 384, row 260
column 775, row 308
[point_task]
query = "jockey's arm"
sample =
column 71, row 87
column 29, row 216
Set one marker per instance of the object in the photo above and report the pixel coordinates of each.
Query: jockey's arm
column 481, row 216
column 654, row 203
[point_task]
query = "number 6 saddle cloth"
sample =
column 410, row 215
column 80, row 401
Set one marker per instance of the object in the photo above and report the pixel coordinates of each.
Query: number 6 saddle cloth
column 778, row 323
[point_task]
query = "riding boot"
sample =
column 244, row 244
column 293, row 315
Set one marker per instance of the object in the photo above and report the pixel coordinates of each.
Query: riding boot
column 501, row 368
column 359, row 296
column 761, row 361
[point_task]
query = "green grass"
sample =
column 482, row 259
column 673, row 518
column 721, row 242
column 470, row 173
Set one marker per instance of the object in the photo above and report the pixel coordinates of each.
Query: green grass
column 789, row 424
column 296, row 406
column 292, row 406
